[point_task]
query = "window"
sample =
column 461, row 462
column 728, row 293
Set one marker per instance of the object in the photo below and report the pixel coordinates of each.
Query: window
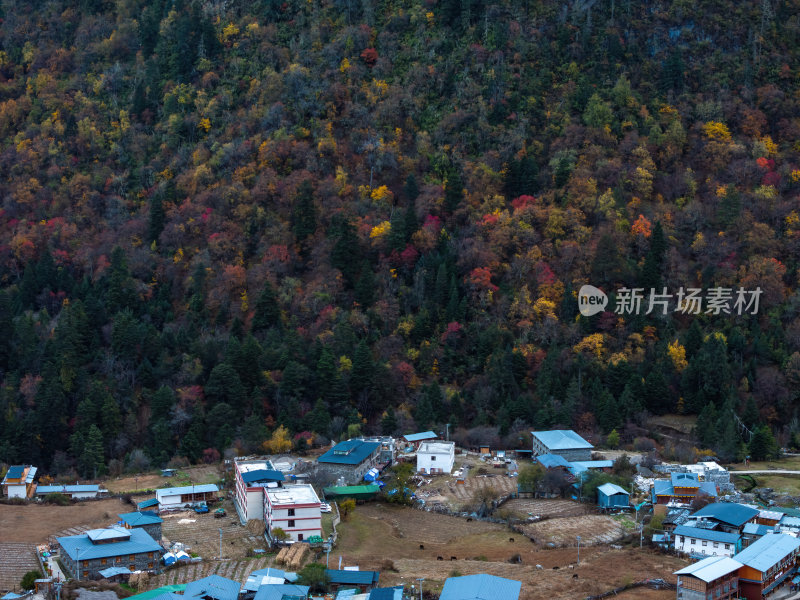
column 716, row 544
column 149, row 565
column 103, row 561
column 291, row 523
column 149, row 555
column 683, row 539
column 131, row 567
column 694, row 541
column 727, row 546
column 86, row 573
column 299, row 537
column 705, row 543
column 291, row 512
column 433, row 458
column 132, row 557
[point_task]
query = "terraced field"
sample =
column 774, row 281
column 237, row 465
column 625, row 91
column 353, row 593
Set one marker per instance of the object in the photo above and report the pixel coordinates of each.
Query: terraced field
column 16, row 559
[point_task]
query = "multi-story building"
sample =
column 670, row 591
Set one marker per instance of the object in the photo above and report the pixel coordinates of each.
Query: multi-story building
column 681, row 488
column 295, row 509
column 184, row 496
column 699, row 541
column 251, row 478
column 713, row 577
column 436, row 457
column 84, row 556
column 563, row 442
column 768, row 564
column 350, row 460
column 18, row 482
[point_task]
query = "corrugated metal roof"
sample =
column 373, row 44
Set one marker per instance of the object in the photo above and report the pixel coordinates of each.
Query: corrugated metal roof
column 353, row 577
column 15, row 472
column 148, row 503
column 707, row 534
column 480, row 587
column 176, row 587
column 711, row 568
column 552, row 461
column 765, row 552
column 262, row 475
column 685, row 480
column 579, row 466
column 137, row 519
column 727, row 512
column 66, row 489
column 771, row 515
column 390, row 593
column 186, row 489
column 416, row 437
column 708, row 487
column 756, row 529
column 280, row 590
column 114, row 571
column 561, row 439
column 108, row 533
column 213, row 586
column 351, row 452
column 261, row 576
column 790, row 521
column 81, row 547
column 609, row 489
column 662, row 487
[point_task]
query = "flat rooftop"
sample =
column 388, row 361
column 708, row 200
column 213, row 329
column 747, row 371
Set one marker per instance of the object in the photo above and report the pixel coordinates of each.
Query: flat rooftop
column 437, row 447
column 255, row 465
column 293, row 494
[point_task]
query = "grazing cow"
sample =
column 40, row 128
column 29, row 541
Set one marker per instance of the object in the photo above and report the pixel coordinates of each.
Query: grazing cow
column 439, row 558
column 555, row 568
column 510, row 539
column 574, row 575
column 422, row 547
column 453, row 558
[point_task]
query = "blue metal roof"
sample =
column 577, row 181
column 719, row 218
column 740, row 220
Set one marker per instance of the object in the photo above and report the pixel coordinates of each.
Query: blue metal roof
column 66, row 489
column 113, row 571
column 708, row 487
column 418, row 437
column 213, row 586
column 80, row 547
column 280, row 590
column 255, row 579
column 662, row 487
column 790, row 521
column 480, row 587
column 186, row 489
column 767, row 551
column 561, row 439
column 148, row 503
column 15, row 472
column 390, row 593
column 756, row 529
column 262, row 475
column 351, row 452
column 551, row 461
column 707, row 534
column 343, row 577
column 727, row 512
column 579, row 466
column 137, row 519
column 609, row 489
column 685, row 480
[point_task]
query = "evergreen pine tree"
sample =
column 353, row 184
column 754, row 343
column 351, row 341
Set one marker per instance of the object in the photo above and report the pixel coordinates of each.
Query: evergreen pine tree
column 155, row 220
column 304, row 213
column 453, row 191
column 389, row 422
column 267, row 312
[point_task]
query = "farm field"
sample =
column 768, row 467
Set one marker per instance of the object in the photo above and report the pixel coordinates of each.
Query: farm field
column 201, row 533
column 36, row 523
column 556, row 508
column 17, row 559
column 593, row 529
column 149, row 481
column 237, row 569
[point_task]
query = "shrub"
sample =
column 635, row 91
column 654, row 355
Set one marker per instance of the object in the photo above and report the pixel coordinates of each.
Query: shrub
column 28, row 579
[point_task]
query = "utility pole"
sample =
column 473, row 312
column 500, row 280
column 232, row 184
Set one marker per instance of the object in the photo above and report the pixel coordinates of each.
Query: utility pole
column 420, row 579
column 577, row 537
column 220, row 543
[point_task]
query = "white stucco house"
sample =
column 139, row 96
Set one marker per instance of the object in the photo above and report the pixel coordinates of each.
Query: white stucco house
column 435, row 458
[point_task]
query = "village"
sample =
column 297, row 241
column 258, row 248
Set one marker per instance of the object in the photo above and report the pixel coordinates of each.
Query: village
column 400, row 518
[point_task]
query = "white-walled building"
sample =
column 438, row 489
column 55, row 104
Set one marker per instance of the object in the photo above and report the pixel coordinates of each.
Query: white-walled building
column 185, row 496
column 295, row 509
column 76, row 492
column 251, row 478
column 697, row 542
column 436, row 457
column 18, row 482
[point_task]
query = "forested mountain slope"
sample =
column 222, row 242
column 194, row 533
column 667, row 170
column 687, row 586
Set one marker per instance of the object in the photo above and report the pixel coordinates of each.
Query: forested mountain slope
column 221, row 217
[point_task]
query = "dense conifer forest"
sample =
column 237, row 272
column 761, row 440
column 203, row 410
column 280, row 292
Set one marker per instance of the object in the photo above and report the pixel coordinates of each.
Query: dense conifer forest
column 234, row 224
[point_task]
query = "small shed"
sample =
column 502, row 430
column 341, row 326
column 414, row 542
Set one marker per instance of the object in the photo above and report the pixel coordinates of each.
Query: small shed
column 610, row 495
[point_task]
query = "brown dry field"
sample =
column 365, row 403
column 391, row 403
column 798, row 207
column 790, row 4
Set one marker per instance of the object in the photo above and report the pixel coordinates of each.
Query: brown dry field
column 593, row 529
column 35, row 523
column 17, row 559
column 555, row 508
column 376, row 532
column 147, row 481
column 201, row 533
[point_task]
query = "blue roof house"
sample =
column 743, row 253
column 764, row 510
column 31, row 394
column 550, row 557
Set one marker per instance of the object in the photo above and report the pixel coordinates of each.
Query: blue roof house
column 213, row 587
column 730, row 516
column 363, row 580
column 350, row 460
column 564, row 442
column 612, row 496
column 147, row 520
column 99, row 549
column 480, row 587
column 699, row 542
column 281, row 591
column 768, row 564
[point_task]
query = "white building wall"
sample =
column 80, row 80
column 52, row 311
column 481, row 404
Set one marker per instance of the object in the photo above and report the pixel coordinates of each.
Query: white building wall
column 428, row 462
column 691, row 545
column 17, row 491
column 83, row 495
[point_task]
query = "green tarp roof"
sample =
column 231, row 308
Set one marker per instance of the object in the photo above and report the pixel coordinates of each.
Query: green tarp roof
column 178, row 587
column 351, row 490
